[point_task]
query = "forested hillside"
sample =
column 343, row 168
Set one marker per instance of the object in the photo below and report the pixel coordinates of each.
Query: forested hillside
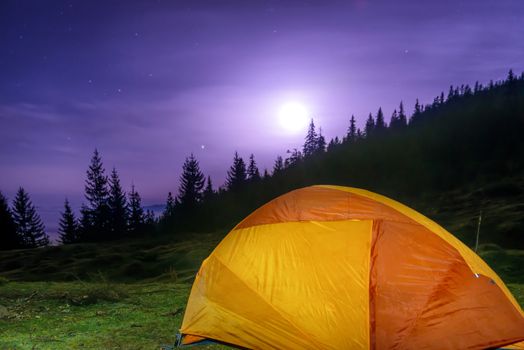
column 454, row 158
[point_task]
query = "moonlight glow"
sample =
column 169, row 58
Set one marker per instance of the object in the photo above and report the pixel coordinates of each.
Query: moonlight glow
column 293, row 117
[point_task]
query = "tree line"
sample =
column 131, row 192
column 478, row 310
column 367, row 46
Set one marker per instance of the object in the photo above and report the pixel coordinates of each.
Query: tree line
column 111, row 213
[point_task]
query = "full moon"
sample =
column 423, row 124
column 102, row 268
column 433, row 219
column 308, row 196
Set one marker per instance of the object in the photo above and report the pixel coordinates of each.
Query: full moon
column 293, row 116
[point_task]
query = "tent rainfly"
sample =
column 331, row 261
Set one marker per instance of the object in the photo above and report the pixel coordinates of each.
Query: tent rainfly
column 330, row 267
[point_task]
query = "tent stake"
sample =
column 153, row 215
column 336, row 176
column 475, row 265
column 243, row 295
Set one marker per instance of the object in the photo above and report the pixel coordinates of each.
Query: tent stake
column 478, row 232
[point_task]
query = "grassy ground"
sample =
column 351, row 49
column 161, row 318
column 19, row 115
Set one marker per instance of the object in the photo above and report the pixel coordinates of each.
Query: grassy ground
column 501, row 203
column 105, row 315
column 75, row 315
column 149, row 259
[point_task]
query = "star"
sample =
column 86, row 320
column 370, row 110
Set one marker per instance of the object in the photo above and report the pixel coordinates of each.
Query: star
column 202, row 146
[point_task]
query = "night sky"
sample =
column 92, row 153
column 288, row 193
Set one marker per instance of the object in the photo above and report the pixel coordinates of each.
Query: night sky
column 149, row 82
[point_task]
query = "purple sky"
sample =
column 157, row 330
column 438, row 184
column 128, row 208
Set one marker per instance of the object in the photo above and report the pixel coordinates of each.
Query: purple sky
column 148, row 82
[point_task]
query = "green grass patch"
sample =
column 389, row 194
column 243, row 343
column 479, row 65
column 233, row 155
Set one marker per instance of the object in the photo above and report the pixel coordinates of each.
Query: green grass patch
column 55, row 315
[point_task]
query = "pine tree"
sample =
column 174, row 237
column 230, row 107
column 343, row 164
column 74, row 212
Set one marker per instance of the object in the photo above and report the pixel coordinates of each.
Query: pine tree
column 85, row 224
column 333, row 143
column 311, row 143
column 266, row 174
column 236, row 175
column 168, row 215
column 403, row 120
column 68, row 225
column 95, row 215
column 169, row 210
column 28, row 223
column 418, row 107
column 208, row 191
column 191, row 183
column 253, row 173
column 511, row 82
column 394, row 122
column 136, row 212
column 117, row 207
column 435, row 103
column 294, row 158
column 279, row 165
column 370, row 126
column 417, row 113
column 511, row 76
column 380, row 124
column 352, row 130
column 9, row 238
column 451, row 93
column 96, row 191
column 321, row 142
column 149, row 221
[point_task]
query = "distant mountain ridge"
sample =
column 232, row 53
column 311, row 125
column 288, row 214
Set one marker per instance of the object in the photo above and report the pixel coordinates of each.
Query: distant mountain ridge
column 157, row 209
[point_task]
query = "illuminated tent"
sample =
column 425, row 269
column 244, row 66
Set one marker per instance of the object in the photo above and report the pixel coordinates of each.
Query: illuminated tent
column 328, row 267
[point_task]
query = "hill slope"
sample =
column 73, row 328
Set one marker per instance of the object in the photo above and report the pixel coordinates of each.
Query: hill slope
column 456, row 158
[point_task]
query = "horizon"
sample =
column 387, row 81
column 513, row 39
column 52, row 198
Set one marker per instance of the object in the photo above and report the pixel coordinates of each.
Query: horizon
column 149, row 84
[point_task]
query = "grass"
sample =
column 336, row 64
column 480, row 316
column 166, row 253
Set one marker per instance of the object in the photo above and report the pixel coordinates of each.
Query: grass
column 501, row 202
column 55, row 315
column 117, row 295
column 150, row 260
column 48, row 315
column 508, row 264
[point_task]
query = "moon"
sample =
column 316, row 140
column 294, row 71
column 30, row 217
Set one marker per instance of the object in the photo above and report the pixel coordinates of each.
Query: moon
column 293, row 117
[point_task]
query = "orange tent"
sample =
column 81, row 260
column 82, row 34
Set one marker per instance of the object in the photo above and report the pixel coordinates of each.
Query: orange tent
column 328, row 267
